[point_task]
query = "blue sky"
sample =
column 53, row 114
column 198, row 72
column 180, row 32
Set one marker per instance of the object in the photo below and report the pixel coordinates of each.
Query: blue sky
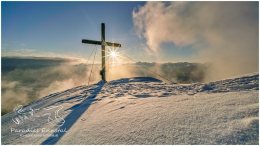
column 56, row 28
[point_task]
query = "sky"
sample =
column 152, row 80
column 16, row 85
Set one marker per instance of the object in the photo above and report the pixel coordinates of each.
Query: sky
column 148, row 31
column 56, row 28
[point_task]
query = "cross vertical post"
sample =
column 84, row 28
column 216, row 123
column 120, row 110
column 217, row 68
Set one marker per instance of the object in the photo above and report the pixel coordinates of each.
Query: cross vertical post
column 103, row 53
column 103, row 44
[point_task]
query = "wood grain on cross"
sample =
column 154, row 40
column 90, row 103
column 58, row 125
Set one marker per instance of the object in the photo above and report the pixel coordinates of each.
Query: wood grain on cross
column 103, row 44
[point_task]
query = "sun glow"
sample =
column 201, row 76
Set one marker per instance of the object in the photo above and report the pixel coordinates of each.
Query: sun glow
column 113, row 54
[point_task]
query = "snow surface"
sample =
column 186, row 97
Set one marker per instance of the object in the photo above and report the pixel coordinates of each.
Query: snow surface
column 141, row 111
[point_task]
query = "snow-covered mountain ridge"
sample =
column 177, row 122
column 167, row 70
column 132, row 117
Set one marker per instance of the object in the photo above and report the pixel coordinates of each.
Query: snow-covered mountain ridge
column 141, row 110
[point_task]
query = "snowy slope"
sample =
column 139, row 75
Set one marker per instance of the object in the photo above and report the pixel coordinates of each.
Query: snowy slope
column 141, row 111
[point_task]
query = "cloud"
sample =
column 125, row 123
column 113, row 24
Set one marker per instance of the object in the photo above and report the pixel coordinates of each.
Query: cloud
column 225, row 34
column 12, row 95
column 17, row 52
column 27, row 79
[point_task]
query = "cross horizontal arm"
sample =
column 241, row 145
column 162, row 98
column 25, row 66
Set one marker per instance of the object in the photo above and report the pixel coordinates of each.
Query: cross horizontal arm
column 113, row 44
column 100, row 43
column 91, row 42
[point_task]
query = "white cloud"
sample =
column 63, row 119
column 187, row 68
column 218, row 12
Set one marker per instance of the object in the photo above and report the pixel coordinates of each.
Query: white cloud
column 226, row 33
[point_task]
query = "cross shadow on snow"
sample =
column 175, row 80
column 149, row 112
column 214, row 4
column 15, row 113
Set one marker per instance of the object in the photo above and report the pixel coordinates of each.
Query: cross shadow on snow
column 135, row 79
column 72, row 117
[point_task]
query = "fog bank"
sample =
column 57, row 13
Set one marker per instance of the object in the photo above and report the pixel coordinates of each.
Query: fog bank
column 224, row 34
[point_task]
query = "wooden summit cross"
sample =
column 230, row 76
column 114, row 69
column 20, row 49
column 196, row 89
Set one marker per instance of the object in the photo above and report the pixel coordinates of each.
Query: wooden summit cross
column 103, row 44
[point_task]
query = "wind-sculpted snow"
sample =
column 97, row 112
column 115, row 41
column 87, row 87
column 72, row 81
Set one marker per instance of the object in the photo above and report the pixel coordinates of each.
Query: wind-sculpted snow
column 141, row 111
column 155, row 88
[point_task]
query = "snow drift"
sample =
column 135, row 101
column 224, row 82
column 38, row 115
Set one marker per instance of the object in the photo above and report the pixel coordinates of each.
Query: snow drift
column 141, row 111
